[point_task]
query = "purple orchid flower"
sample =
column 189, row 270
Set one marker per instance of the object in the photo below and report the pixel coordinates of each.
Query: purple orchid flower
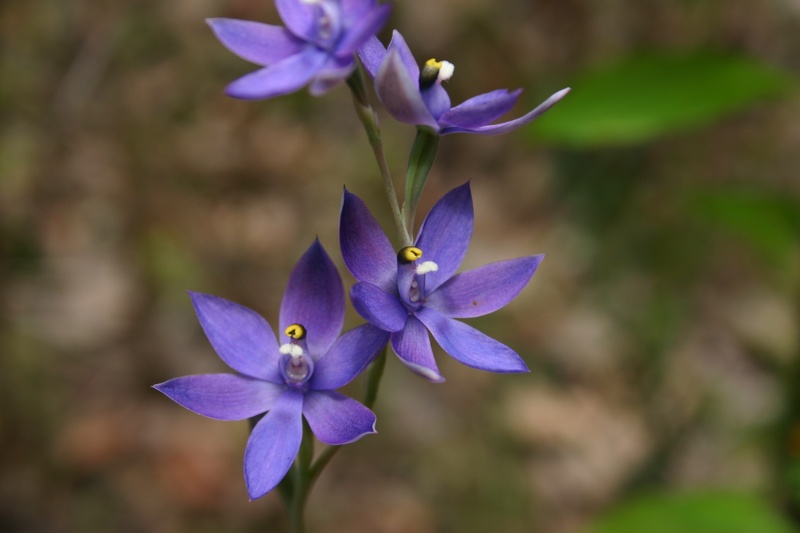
column 317, row 45
column 417, row 289
column 288, row 381
column 417, row 96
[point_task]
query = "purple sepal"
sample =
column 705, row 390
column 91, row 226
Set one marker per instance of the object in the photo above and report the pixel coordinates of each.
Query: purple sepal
column 336, row 419
column 413, row 346
column 273, row 444
column 348, row 357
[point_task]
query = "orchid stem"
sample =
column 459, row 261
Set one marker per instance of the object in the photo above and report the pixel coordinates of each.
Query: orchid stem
column 369, row 119
column 302, row 481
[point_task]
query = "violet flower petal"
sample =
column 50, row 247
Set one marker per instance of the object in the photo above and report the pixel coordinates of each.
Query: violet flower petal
column 398, row 91
column 349, row 355
column 445, row 235
column 413, row 346
column 281, row 78
column 273, row 444
column 378, row 307
column 222, row 396
column 470, row 346
column 352, row 10
column 299, row 17
column 240, row 336
column 336, row 419
column 331, row 74
column 366, row 249
column 371, row 54
column 314, row 298
column 485, row 289
column 505, row 127
column 437, row 100
column 256, row 42
column 480, row 110
column 398, row 43
column 366, row 25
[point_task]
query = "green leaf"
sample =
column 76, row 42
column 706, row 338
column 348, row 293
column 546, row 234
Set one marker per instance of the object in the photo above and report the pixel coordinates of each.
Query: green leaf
column 696, row 512
column 764, row 220
column 645, row 97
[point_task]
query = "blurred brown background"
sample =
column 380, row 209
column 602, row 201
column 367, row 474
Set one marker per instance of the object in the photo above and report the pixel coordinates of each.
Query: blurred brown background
column 661, row 330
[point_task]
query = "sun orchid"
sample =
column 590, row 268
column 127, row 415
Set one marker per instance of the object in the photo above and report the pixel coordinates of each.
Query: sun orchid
column 288, row 381
column 417, row 290
column 417, row 96
column 316, row 47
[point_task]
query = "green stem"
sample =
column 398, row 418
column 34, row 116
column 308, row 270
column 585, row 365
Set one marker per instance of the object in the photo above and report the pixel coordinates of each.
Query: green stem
column 302, row 481
column 370, row 121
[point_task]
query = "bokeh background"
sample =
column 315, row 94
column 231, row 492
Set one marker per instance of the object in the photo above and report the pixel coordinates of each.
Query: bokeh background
column 661, row 330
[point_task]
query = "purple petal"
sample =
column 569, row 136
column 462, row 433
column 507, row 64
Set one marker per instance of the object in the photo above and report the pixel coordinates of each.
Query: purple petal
column 240, row 336
column 371, row 54
column 299, row 17
column 366, row 249
column 413, row 347
column 256, row 42
column 485, row 289
column 470, row 346
column 378, row 307
column 348, row 357
column 222, row 396
column 398, row 43
column 281, row 78
column 505, row 127
column 336, row 419
column 353, row 10
column 398, row 91
column 481, row 110
column 314, row 298
column 334, row 71
column 445, row 234
column 365, row 26
column 273, row 444
column 437, row 99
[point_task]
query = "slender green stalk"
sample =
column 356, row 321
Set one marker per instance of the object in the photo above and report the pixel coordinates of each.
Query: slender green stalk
column 370, row 121
column 302, row 483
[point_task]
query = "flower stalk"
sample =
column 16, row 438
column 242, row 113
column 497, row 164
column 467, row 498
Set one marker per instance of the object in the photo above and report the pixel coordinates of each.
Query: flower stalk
column 369, row 119
column 420, row 161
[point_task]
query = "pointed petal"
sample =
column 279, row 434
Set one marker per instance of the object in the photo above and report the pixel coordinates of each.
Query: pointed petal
column 413, row 347
column 273, row 444
column 366, row 249
column 222, row 396
column 371, row 54
column 505, row 127
column 281, row 78
column 256, row 42
column 445, row 234
column 348, row 357
column 314, row 298
column 481, row 110
column 299, row 17
column 336, row 419
column 378, row 307
column 367, row 25
column 334, row 72
column 398, row 43
column 398, row 91
column 485, row 289
column 240, row 336
column 470, row 346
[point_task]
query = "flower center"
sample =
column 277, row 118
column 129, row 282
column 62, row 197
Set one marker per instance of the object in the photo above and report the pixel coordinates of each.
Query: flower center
column 433, row 71
column 296, row 364
column 411, row 274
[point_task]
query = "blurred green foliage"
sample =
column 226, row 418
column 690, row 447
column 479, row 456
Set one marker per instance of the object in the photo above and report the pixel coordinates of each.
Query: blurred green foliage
column 693, row 512
column 643, row 97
